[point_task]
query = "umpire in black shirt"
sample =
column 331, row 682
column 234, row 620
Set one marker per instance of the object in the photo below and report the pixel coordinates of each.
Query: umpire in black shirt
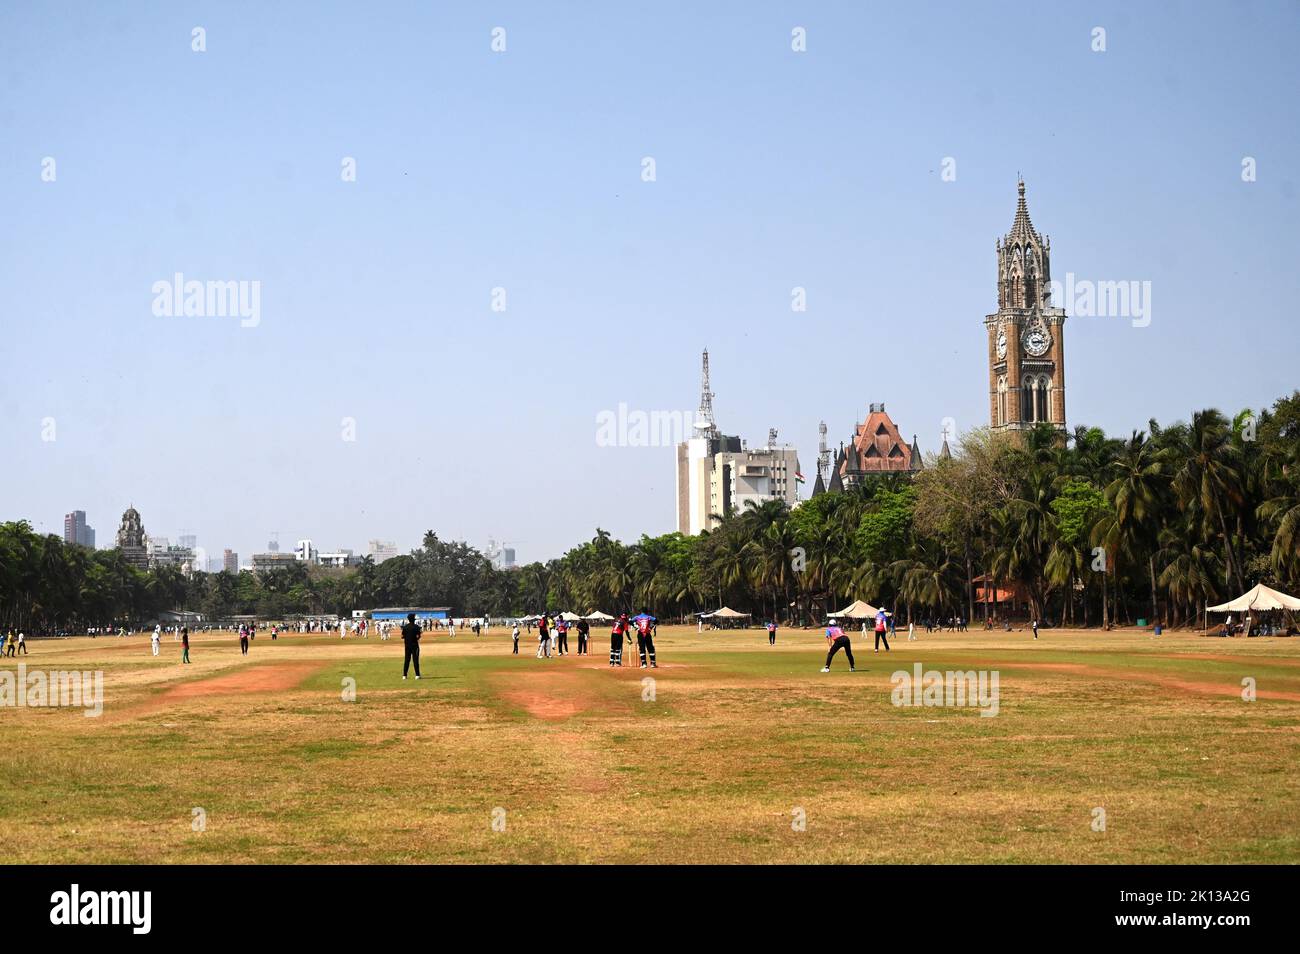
column 411, row 637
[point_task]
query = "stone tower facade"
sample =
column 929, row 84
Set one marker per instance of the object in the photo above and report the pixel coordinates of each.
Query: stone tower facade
column 1026, row 340
column 131, row 539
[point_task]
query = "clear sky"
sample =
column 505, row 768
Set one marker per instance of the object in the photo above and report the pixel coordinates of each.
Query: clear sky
column 523, row 170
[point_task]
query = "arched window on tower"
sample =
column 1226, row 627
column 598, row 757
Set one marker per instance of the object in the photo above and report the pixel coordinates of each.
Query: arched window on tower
column 1002, row 401
column 1044, row 384
column 1027, row 400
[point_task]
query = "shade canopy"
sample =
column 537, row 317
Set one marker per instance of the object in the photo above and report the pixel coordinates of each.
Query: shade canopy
column 1260, row 597
column 856, row 610
column 570, row 617
column 725, row 613
column 597, row 614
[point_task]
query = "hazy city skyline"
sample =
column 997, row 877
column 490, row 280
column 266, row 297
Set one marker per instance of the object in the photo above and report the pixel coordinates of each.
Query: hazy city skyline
column 874, row 181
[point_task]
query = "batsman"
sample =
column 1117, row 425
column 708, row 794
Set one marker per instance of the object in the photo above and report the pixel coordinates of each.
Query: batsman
column 645, row 639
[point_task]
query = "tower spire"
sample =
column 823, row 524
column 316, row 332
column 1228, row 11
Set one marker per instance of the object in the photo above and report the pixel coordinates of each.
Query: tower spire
column 1021, row 227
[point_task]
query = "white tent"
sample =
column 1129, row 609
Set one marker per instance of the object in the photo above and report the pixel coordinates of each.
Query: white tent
column 597, row 614
column 1260, row 597
column 570, row 617
column 725, row 613
column 856, row 610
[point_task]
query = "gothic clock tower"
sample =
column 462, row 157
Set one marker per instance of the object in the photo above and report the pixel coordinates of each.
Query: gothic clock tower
column 1026, row 350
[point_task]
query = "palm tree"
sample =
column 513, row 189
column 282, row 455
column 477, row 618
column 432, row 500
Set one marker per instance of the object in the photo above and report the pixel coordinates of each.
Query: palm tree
column 1137, row 495
column 1206, row 477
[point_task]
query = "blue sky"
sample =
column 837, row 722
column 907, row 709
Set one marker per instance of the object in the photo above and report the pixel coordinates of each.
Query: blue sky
column 522, row 170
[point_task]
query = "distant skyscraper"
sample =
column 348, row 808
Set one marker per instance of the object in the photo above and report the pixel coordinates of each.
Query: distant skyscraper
column 76, row 530
column 188, row 540
column 507, row 558
column 230, row 561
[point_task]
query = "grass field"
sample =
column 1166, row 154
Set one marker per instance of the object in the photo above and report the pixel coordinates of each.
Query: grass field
column 739, row 742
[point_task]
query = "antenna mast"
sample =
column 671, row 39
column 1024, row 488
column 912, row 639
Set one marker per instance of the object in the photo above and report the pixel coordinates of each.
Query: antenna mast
column 704, row 416
column 823, row 452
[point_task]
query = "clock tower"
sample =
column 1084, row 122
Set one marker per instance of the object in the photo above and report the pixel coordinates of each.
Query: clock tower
column 1026, row 350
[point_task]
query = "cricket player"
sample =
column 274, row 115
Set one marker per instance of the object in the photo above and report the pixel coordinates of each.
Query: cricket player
column 411, row 639
column 153, row 641
column 837, row 639
column 617, row 634
column 645, row 640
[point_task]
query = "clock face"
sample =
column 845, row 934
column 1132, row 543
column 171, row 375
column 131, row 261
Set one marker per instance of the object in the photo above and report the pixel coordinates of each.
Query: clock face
column 1036, row 338
column 1002, row 343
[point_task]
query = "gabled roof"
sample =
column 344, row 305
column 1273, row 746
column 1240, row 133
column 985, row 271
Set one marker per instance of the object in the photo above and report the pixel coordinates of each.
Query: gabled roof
column 877, row 445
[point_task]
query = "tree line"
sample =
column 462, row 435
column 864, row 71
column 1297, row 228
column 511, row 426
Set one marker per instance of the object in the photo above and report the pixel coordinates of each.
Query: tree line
column 1081, row 529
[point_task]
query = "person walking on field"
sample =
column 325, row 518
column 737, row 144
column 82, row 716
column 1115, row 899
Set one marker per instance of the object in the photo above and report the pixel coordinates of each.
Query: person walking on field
column 185, row 644
column 584, row 631
column 837, row 639
column 562, row 636
column 1035, row 629
column 153, row 640
column 243, row 641
column 411, row 640
column 22, row 644
column 880, row 630
column 771, row 632
column 515, row 635
column 911, row 631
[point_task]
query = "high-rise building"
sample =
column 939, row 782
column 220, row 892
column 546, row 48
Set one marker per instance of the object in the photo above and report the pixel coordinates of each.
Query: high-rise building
column 266, row 562
column 230, row 561
column 305, row 551
column 131, row 539
column 717, row 475
column 162, row 552
column 76, row 530
column 381, row 550
column 1026, row 334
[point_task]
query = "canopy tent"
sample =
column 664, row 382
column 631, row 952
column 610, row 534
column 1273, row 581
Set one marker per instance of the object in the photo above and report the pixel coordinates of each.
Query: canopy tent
column 856, row 610
column 597, row 614
column 725, row 612
column 1260, row 597
column 570, row 617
